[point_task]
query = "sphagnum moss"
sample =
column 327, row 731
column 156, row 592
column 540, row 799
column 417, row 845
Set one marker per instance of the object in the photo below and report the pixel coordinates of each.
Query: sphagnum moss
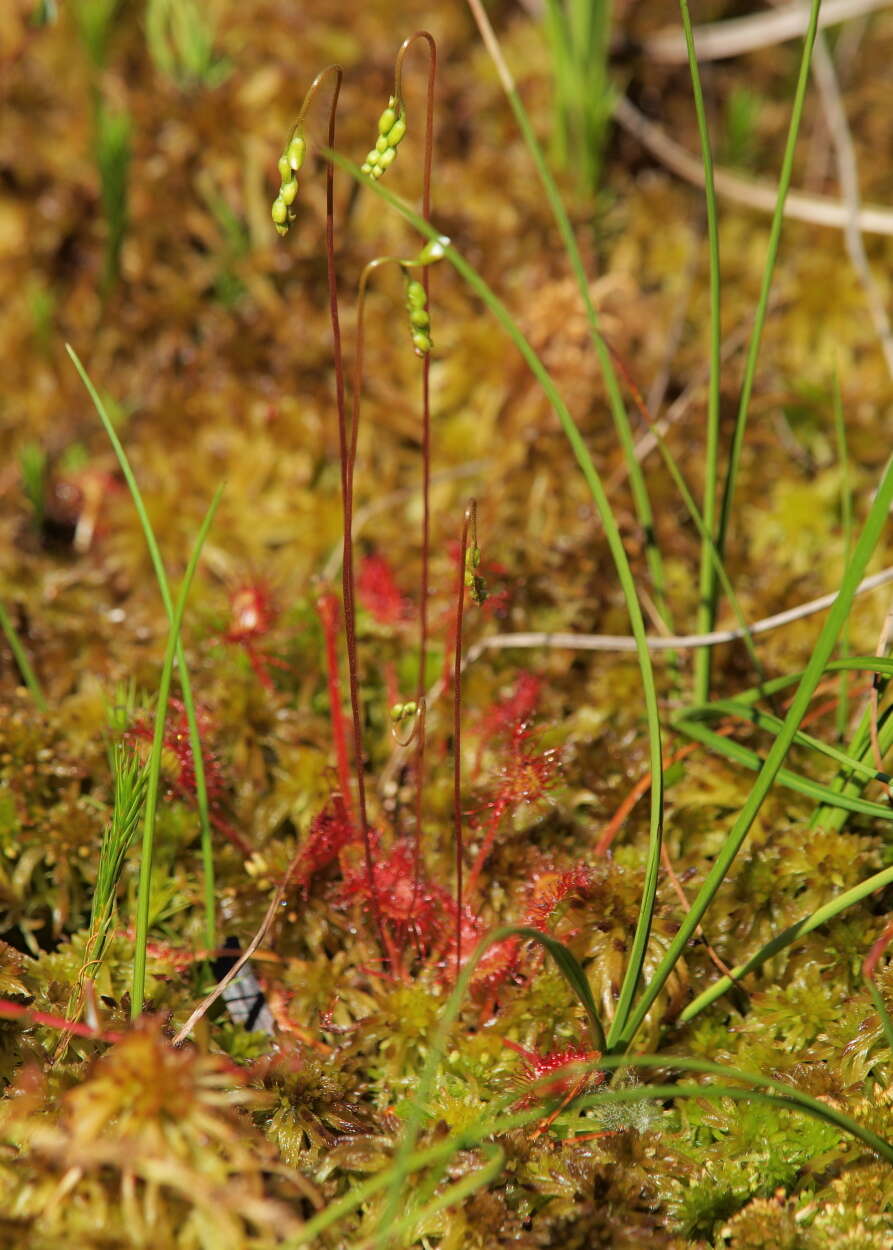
column 355, row 1035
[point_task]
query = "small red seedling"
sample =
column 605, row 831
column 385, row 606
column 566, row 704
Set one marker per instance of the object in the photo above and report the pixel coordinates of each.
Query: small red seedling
column 378, row 592
column 252, row 616
column 180, row 766
column 525, row 778
column 567, row 1085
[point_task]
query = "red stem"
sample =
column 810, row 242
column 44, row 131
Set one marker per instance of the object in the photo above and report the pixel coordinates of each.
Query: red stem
column 327, row 607
column 426, row 437
column 469, row 520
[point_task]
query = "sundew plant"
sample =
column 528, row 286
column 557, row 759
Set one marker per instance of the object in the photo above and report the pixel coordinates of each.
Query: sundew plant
column 445, row 739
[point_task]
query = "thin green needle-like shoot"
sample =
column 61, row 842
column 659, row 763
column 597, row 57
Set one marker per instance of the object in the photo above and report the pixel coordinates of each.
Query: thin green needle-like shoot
column 621, row 563
column 784, row 182
column 20, row 655
column 868, row 540
column 152, row 785
column 707, row 574
column 201, row 789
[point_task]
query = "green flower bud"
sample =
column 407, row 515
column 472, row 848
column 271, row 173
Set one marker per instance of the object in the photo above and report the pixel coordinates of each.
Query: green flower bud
column 279, row 211
column 288, row 192
column 397, row 131
column 479, row 591
column 432, row 251
column 421, row 342
column 386, row 159
column 381, row 144
column 386, row 121
column 295, row 152
column 284, row 168
column 415, row 294
column 419, row 319
column 282, row 231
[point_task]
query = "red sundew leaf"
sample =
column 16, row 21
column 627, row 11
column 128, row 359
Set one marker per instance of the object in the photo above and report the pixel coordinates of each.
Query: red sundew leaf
column 409, row 907
column 550, row 888
column 536, row 1066
column 513, row 711
column 252, row 613
column 180, row 766
column 378, row 592
column 331, row 831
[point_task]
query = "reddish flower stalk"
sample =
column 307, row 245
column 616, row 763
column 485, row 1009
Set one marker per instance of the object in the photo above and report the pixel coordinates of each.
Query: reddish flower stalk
column 469, row 521
column 872, row 959
column 252, row 616
column 426, row 412
column 327, row 607
column 347, row 455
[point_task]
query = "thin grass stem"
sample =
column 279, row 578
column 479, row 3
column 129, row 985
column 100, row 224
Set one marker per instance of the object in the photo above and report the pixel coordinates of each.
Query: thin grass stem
column 619, row 414
column 750, row 367
column 154, row 774
column 864, row 549
column 707, row 574
column 201, row 787
column 846, row 518
column 20, row 655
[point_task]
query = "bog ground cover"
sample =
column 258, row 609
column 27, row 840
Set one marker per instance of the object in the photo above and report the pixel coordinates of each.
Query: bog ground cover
column 417, row 827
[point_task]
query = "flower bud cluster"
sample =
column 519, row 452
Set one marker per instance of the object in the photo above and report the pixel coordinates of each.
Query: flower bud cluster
column 290, row 162
column 391, row 129
column 473, row 579
column 419, row 317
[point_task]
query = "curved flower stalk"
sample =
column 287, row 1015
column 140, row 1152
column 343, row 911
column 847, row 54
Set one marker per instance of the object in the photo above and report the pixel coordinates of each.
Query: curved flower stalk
column 430, row 253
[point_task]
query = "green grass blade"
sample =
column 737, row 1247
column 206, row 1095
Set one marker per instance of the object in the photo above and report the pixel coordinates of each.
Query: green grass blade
column 20, row 655
column 852, row 663
column 778, row 1091
column 707, row 575
column 846, row 519
column 772, row 723
column 739, row 754
column 454, row 1194
column 868, row 540
column 784, row 182
column 829, row 911
column 497, row 1121
column 570, row 969
column 152, row 785
column 619, row 415
column 621, row 563
column 881, row 1008
column 201, row 788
